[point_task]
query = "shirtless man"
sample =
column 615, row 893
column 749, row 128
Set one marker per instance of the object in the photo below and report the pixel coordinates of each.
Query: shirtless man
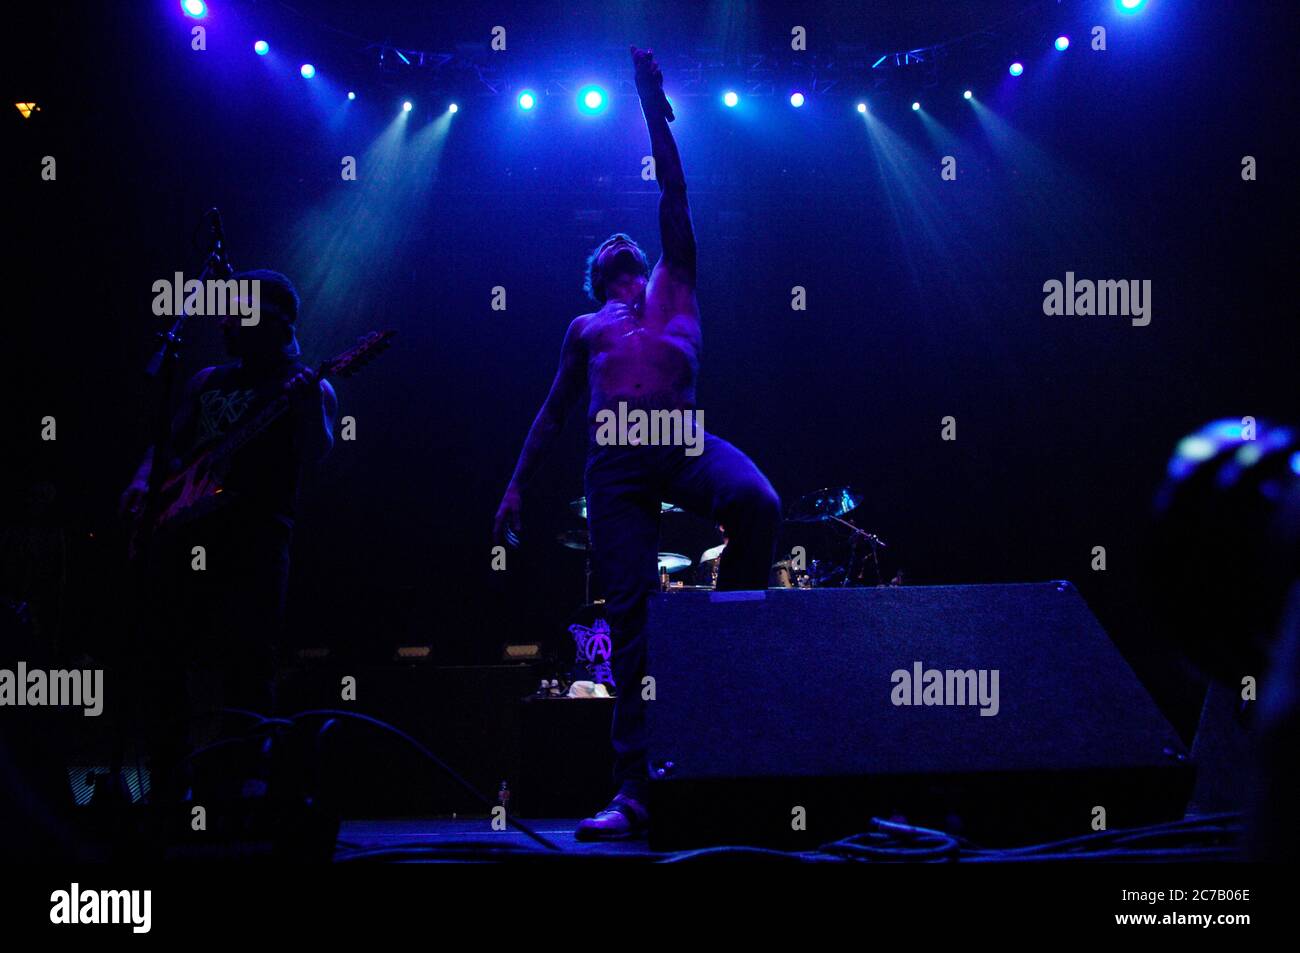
column 643, row 348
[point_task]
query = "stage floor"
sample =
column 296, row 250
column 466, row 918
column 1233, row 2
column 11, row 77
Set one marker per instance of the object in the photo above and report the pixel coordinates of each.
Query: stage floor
column 1196, row 838
column 423, row 840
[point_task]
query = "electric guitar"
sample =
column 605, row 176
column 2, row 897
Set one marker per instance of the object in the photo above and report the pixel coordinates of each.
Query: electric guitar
column 197, row 489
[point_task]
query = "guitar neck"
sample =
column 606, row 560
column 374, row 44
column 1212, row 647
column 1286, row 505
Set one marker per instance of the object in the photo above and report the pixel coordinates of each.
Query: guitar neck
column 264, row 418
column 346, row 363
column 268, row 415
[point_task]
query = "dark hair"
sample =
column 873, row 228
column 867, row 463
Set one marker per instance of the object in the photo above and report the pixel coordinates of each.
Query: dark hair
column 594, row 281
column 276, row 291
column 1239, row 493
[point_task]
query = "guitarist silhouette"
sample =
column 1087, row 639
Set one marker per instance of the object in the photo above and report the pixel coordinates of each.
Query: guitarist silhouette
column 214, row 619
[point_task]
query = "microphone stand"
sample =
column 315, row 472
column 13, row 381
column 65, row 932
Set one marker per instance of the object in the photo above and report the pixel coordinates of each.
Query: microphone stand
column 162, row 366
column 859, row 536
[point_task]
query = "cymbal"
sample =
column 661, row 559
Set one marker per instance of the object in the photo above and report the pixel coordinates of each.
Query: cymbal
column 824, row 504
column 672, row 562
column 574, row 539
column 714, row 553
column 579, row 506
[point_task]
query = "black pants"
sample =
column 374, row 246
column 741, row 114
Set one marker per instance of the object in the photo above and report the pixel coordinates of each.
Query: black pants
column 625, row 485
column 211, row 635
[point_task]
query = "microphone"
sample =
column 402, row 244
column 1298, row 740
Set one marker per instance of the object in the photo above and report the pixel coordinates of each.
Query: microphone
column 666, row 105
column 217, row 258
column 661, row 99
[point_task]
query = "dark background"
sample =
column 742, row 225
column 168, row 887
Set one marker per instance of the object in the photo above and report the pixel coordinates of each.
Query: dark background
column 924, row 296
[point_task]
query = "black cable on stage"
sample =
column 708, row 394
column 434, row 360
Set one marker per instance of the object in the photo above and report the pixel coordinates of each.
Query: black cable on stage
column 892, row 841
column 737, row 851
column 1125, row 855
column 442, row 765
column 1084, row 844
column 291, row 720
column 261, row 722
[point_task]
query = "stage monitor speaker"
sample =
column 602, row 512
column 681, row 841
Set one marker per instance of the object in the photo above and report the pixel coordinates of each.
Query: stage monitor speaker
column 1003, row 713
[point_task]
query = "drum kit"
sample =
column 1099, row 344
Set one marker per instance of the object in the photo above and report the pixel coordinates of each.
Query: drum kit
column 580, row 539
column 830, row 506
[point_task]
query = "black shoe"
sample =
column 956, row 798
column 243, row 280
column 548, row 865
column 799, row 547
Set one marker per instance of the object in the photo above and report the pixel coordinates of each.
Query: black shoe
column 625, row 818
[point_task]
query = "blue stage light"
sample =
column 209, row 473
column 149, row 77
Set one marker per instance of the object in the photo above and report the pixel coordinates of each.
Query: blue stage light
column 527, row 100
column 1016, row 69
column 261, row 47
column 591, row 99
column 1062, row 43
column 351, row 95
column 916, row 107
column 453, row 108
column 862, row 108
column 967, row 95
column 406, row 106
column 730, row 99
column 308, row 71
column 195, row 8
column 796, row 100
column 1129, row 6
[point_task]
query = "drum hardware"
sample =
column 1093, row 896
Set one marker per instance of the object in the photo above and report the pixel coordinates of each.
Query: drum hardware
column 825, row 504
column 579, row 539
column 574, row 539
column 832, row 505
column 781, row 576
column 710, row 563
column 857, row 538
column 670, row 563
column 579, row 507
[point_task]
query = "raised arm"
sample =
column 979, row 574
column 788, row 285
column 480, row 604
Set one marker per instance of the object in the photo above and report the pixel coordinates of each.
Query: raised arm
column 674, row 215
column 568, row 388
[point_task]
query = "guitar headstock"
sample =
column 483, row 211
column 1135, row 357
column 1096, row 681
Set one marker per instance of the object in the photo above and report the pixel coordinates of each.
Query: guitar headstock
column 358, row 356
